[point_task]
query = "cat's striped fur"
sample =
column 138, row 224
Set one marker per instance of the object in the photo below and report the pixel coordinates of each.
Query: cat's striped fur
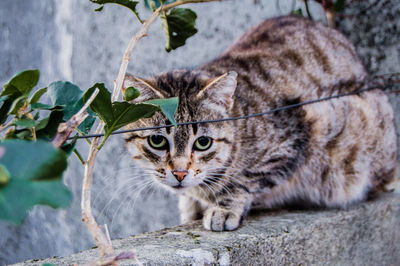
column 328, row 154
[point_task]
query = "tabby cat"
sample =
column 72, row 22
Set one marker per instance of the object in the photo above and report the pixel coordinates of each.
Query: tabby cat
column 328, row 154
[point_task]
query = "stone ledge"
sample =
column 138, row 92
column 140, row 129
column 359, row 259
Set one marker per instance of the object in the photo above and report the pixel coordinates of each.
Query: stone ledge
column 366, row 234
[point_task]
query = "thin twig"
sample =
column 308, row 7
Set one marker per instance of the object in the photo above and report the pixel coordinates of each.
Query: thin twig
column 87, row 216
column 79, row 156
column 125, row 60
column 66, row 129
column 9, row 124
column 307, row 9
column 104, row 245
column 139, row 35
column 107, row 233
column 330, row 18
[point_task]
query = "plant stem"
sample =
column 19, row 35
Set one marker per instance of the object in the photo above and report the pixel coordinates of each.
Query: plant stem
column 79, row 156
column 33, row 131
column 139, row 35
column 105, row 247
column 126, row 58
column 87, row 216
column 307, row 9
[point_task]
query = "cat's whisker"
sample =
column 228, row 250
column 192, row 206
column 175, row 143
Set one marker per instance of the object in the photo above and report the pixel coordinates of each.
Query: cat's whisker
column 227, row 178
column 222, row 187
column 147, row 185
column 115, row 185
column 212, row 191
column 204, row 192
column 132, row 202
column 124, row 189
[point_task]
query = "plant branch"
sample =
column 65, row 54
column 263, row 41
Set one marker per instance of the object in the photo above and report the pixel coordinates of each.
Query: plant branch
column 9, row 124
column 105, row 247
column 65, row 129
column 182, row 2
column 307, row 9
column 79, row 156
column 87, row 216
column 127, row 55
column 139, row 35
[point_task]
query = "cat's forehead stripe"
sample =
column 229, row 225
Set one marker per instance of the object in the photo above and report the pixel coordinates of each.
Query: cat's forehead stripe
column 181, row 139
column 194, row 127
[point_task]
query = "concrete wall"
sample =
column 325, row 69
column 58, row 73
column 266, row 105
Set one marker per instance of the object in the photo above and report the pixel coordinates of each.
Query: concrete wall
column 66, row 40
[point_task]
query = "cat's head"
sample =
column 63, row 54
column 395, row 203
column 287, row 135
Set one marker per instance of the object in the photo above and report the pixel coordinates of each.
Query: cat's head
column 184, row 157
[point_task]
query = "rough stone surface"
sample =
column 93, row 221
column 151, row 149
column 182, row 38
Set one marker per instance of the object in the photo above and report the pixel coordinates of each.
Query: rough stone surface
column 66, row 40
column 366, row 234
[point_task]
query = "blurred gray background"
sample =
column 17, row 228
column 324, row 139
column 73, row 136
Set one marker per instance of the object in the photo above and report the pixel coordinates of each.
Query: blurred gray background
column 67, row 40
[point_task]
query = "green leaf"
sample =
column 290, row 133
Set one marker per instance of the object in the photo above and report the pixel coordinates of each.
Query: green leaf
column 167, row 106
column 19, row 85
column 131, row 93
column 118, row 114
column 298, row 12
column 68, row 148
column 17, row 104
column 70, row 97
column 126, row 3
column 178, row 25
column 21, row 134
column 339, row 5
column 36, row 96
column 47, row 127
column 23, row 82
column 26, row 122
column 41, row 106
column 87, row 124
column 35, row 178
column 99, row 9
column 126, row 113
column 64, row 93
column 5, row 107
column 102, row 103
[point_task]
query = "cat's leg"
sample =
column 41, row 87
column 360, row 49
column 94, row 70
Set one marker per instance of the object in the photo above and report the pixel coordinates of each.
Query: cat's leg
column 189, row 209
column 230, row 211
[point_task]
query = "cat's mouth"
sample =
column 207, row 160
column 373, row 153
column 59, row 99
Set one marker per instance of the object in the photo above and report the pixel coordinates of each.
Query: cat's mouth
column 179, row 186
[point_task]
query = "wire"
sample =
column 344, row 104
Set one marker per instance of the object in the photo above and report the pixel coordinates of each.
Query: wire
column 282, row 108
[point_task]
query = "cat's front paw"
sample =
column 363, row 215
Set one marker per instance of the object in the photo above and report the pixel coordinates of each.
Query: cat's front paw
column 218, row 219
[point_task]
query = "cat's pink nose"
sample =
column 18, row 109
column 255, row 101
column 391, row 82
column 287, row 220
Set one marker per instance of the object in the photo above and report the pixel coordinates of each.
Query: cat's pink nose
column 179, row 175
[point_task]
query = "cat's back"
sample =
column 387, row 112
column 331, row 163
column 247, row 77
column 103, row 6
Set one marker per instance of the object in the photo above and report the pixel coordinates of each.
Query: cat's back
column 292, row 55
column 347, row 145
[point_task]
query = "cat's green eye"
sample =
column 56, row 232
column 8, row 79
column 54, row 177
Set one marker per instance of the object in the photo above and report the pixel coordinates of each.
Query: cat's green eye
column 202, row 143
column 158, row 142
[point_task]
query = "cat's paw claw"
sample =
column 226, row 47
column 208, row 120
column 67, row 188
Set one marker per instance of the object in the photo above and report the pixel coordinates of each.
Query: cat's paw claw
column 218, row 219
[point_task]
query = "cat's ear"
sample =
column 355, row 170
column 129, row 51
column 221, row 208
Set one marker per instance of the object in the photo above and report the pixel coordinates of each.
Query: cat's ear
column 221, row 89
column 147, row 91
